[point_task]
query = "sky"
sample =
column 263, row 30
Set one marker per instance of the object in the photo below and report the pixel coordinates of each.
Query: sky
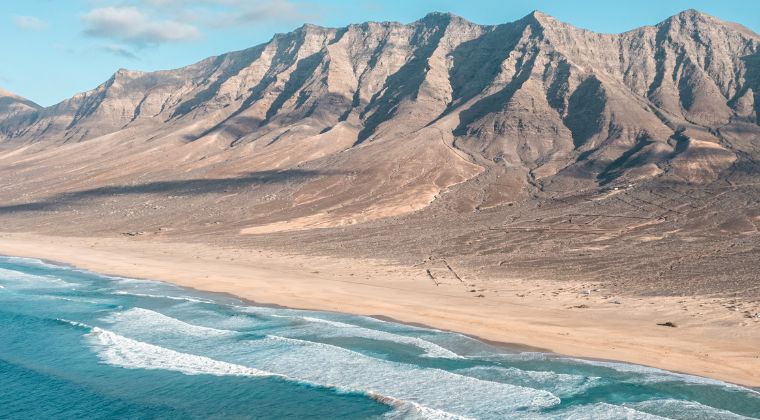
column 54, row 49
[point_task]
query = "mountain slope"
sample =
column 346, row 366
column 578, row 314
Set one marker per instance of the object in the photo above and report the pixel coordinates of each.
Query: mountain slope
column 381, row 119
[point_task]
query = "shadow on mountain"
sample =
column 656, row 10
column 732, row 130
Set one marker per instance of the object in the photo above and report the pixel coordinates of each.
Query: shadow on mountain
column 176, row 187
column 585, row 114
column 498, row 101
column 229, row 65
column 476, row 63
column 232, row 130
column 305, row 69
column 406, row 82
column 752, row 62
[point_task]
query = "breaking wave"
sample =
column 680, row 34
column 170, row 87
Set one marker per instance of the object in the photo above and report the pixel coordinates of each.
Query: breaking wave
column 431, row 349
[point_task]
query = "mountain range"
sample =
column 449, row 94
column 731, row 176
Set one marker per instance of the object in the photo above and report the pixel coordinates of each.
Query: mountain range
column 389, row 123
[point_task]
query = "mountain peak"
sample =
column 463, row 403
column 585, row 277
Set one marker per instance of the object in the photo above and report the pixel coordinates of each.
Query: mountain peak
column 439, row 15
column 127, row 73
column 543, row 20
column 695, row 18
column 310, row 26
column 539, row 15
column 442, row 17
column 6, row 94
column 12, row 97
column 692, row 13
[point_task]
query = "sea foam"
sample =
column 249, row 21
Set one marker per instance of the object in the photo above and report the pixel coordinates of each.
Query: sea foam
column 593, row 412
column 561, row 384
column 350, row 330
column 121, row 351
column 684, row 410
column 136, row 319
column 170, row 297
column 32, row 281
column 334, row 367
column 30, row 261
column 649, row 375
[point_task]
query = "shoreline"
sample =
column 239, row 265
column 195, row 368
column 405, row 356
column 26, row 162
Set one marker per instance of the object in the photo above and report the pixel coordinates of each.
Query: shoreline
column 714, row 343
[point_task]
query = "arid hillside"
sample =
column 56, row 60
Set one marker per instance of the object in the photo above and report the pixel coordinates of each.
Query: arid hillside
column 530, row 149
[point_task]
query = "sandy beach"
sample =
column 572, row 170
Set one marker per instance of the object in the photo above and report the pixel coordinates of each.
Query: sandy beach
column 713, row 337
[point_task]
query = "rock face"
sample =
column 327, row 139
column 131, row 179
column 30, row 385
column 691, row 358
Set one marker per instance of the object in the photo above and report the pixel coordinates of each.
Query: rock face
column 380, row 119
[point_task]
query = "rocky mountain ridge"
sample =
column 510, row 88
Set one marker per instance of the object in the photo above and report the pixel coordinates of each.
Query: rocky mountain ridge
column 385, row 117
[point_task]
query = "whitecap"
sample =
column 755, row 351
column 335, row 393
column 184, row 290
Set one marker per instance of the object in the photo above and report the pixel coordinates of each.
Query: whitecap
column 117, row 350
column 74, row 323
column 343, row 329
column 29, row 261
column 561, row 384
column 594, row 412
column 407, row 410
column 525, row 356
column 130, row 280
column 649, row 375
column 170, row 297
column 335, row 367
column 684, row 410
column 27, row 280
column 136, row 319
column 74, row 299
column 330, row 365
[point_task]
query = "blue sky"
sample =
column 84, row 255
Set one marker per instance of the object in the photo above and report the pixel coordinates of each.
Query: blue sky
column 56, row 48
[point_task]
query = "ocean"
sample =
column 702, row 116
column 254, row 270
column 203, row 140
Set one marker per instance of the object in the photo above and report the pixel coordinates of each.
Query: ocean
column 76, row 344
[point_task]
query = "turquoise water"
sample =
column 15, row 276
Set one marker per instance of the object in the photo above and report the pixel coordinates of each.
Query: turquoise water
column 75, row 344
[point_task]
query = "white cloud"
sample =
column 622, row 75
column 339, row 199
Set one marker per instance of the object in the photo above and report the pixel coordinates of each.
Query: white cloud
column 220, row 13
column 133, row 26
column 142, row 23
column 30, row 23
column 262, row 11
column 120, row 51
